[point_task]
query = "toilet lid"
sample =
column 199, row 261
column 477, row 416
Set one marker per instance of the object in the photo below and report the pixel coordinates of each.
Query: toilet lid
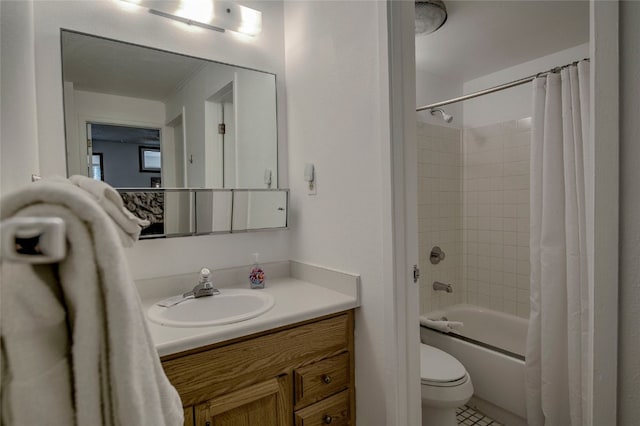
column 437, row 366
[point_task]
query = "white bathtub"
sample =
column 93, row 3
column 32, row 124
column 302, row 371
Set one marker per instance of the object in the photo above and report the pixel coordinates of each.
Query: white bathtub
column 492, row 352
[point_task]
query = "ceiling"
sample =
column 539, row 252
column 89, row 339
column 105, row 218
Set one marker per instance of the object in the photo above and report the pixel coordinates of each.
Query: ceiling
column 481, row 37
column 125, row 134
column 100, row 65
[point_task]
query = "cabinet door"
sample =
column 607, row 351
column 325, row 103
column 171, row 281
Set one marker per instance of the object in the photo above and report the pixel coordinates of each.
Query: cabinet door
column 188, row 416
column 266, row 403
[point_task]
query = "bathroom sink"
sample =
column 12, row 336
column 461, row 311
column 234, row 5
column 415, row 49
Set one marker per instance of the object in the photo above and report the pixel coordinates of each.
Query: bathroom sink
column 231, row 305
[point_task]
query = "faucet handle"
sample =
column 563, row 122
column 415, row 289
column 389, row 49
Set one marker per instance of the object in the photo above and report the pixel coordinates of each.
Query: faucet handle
column 205, row 277
column 436, row 255
column 205, row 287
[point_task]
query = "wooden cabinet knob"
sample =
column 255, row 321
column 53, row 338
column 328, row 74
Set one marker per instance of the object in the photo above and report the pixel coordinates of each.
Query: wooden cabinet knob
column 327, row 419
column 326, row 379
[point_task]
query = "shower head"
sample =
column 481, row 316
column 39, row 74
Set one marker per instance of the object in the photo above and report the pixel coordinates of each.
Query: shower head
column 446, row 117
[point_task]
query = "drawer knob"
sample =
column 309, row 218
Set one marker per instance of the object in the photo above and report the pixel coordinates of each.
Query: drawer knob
column 326, row 379
column 327, row 419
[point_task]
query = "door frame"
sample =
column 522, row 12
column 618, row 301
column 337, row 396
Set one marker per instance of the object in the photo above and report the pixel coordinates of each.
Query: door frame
column 402, row 333
column 403, row 330
column 85, row 120
column 603, row 246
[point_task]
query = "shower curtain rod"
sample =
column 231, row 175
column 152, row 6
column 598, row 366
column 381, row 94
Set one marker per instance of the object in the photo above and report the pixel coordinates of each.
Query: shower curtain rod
column 496, row 88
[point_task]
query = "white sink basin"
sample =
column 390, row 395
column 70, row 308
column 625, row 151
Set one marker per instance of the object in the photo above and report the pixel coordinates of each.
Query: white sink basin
column 231, row 305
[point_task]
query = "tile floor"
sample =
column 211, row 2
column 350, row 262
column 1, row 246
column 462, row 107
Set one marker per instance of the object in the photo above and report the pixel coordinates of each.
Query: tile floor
column 468, row 416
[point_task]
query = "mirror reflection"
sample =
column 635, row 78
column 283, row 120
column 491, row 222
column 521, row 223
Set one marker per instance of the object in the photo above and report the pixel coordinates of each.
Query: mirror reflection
column 138, row 117
column 253, row 210
column 183, row 212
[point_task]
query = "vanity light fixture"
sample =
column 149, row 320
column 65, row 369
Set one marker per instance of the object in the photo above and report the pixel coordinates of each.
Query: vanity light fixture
column 210, row 14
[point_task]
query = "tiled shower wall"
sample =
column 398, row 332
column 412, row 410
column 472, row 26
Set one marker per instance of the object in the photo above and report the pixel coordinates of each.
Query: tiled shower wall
column 440, row 213
column 496, row 216
column 473, row 196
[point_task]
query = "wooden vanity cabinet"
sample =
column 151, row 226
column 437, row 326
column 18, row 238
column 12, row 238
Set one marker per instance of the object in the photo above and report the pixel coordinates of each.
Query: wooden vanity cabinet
column 301, row 375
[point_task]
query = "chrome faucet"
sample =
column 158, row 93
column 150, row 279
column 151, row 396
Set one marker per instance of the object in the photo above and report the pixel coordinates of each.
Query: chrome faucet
column 204, row 287
column 438, row 286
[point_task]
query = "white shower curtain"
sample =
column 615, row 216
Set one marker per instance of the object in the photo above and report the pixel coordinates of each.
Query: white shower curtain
column 556, row 356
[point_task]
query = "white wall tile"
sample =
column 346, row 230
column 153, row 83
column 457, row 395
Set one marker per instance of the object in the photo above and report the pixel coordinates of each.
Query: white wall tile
column 510, row 238
column 510, row 210
column 510, row 307
column 523, row 309
column 496, row 186
column 510, row 280
column 440, row 213
column 510, row 252
column 523, row 282
column 510, row 293
column 509, row 224
column 474, row 195
column 512, row 197
column 516, row 168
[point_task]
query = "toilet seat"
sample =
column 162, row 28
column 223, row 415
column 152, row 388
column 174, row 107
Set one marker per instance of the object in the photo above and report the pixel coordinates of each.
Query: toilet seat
column 438, row 368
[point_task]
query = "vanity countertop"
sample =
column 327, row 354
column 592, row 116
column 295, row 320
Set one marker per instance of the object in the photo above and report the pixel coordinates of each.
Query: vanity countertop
column 296, row 300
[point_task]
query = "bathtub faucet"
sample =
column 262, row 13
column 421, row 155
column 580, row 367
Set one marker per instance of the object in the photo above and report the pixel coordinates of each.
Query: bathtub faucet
column 438, row 286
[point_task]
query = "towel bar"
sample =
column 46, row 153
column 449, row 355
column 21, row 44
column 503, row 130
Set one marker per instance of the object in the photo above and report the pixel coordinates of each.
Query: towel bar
column 33, row 239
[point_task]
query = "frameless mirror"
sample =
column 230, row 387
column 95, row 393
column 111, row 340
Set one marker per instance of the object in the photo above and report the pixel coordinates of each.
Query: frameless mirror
column 213, row 210
column 184, row 212
column 253, row 210
column 170, row 212
column 137, row 117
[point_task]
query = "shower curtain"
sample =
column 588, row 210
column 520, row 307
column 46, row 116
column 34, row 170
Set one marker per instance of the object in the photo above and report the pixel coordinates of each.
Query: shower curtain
column 556, row 356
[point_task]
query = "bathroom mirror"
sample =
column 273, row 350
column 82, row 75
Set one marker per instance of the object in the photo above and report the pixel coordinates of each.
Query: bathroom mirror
column 185, row 212
column 254, row 210
column 137, row 117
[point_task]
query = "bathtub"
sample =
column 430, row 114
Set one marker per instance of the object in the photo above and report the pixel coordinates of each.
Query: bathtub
column 491, row 346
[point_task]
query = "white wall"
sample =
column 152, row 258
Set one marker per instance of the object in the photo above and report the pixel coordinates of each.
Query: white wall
column 119, row 20
column 431, row 88
column 19, row 149
column 336, row 93
column 629, row 297
column 514, row 103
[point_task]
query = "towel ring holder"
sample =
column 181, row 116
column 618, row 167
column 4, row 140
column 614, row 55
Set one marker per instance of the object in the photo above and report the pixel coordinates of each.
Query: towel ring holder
column 33, row 239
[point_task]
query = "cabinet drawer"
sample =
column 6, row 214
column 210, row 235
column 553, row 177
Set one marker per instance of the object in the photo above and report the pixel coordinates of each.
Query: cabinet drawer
column 332, row 411
column 321, row 379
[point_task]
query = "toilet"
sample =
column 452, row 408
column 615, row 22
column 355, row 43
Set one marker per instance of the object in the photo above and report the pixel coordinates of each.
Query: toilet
column 445, row 385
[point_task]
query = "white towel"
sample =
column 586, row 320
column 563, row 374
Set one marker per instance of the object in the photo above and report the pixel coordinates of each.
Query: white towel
column 128, row 224
column 76, row 348
column 444, row 326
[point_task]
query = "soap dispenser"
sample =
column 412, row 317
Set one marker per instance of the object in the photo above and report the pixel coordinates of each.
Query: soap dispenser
column 256, row 276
